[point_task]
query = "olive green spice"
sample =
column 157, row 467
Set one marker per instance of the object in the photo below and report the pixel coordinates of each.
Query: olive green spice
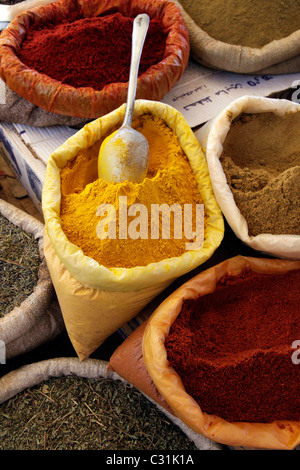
column 73, row 413
column 19, row 265
column 251, row 23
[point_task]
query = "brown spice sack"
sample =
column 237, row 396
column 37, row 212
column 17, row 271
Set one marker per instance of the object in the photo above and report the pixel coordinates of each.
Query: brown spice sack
column 212, row 136
column 244, row 36
column 261, row 160
column 251, row 23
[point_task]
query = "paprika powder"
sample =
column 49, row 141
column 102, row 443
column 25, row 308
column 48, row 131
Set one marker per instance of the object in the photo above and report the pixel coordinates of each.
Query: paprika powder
column 90, row 52
column 233, row 348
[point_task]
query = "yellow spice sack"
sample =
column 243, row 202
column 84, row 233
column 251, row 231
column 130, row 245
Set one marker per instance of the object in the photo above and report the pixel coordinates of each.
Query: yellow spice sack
column 170, row 180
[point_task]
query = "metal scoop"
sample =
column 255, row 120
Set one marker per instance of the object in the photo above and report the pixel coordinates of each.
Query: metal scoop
column 124, row 155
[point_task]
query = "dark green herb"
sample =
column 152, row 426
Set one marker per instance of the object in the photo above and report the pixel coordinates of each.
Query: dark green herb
column 72, row 413
column 10, row 2
column 19, row 264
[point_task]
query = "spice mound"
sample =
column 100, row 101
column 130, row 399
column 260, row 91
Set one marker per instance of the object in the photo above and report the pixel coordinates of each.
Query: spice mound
column 249, row 23
column 74, row 413
column 233, row 348
column 19, row 265
column 133, row 237
column 261, row 161
column 90, row 52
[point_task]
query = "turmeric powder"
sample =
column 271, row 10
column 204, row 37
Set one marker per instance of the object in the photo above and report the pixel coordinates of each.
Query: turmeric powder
column 169, row 180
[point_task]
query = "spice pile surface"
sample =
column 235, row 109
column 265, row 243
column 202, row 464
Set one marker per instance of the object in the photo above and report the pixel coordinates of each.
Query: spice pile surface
column 261, row 161
column 73, row 413
column 90, row 52
column 169, row 180
column 249, row 23
column 19, row 265
column 233, row 348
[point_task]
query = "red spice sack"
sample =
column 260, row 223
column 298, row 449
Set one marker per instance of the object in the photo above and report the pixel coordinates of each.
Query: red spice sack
column 220, row 353
column 72, row 57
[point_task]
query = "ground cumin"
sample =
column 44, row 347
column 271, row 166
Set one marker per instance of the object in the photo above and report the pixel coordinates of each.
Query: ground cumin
column 169, row 180
column 261, row 161
column 251, row 23
column 233, row 348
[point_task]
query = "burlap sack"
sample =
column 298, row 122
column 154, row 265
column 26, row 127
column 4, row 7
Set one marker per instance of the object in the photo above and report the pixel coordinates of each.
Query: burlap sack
column 34, row 374
column 38, row 319
column 15, row 109
column 142, row 360
column 96, row 301
column 85, row 102
column 277, row 57
column 211, row 137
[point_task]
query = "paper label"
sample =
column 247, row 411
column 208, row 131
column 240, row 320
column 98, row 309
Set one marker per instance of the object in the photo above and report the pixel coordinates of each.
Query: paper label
column 201, row 94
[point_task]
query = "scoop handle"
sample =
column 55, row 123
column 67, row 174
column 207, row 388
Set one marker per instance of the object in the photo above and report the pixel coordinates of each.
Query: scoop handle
column 140, row 28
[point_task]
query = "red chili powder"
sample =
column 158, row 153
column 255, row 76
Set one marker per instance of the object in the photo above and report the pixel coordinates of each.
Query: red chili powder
column 90, row 52
column 233, row 348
